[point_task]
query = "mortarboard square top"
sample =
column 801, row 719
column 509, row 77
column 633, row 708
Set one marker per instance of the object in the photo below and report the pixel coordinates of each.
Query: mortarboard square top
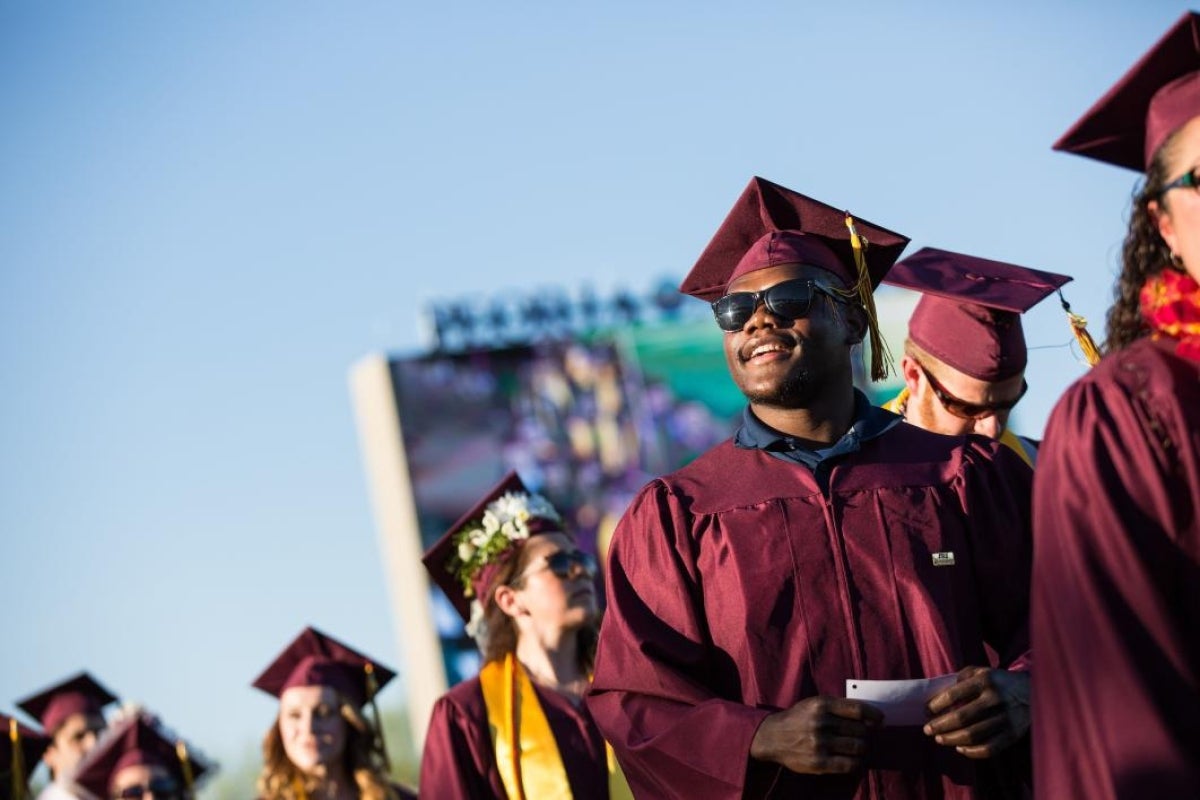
column 137, row 740
column 502, row 519
column 30, row 746
column 771, row 225
column 969, row 317
column 79, row 694
column 1149, row 103
column 317, row 659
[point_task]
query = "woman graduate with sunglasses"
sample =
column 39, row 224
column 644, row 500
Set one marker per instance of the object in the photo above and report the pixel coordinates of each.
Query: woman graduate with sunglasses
column 1116, row 589
column 321, row 746
column 519, row 729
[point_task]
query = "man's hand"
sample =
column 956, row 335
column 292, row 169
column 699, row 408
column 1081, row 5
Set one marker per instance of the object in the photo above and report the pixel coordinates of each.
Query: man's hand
column 817, row 736
column 982, row 714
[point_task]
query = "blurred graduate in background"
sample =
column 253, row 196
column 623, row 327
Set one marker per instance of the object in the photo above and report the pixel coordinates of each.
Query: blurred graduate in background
column 322, row 745
column 519, row 729
column 71, row 714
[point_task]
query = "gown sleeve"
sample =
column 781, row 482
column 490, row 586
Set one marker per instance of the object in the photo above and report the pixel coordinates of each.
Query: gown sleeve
column 457, row 760
column 997, row 503
column 1116, row 597
column 674, row 737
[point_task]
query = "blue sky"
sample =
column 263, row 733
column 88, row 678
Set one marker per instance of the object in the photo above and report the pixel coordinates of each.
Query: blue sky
column 208, row 211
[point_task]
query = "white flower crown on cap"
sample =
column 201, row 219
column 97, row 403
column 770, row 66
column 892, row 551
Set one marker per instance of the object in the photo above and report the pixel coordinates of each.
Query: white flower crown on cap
column 505, row 522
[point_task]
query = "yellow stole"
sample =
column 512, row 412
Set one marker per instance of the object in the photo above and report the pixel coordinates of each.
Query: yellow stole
column 526, row 752
column 1008, row 438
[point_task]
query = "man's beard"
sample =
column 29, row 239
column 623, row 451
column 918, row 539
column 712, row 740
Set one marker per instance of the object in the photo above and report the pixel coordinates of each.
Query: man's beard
column 797, row 391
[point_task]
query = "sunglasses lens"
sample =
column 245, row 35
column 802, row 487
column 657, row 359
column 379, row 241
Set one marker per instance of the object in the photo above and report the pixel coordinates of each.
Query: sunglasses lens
column 561, row 563
column 789, row 299
column 159, row 788
column 733, row 310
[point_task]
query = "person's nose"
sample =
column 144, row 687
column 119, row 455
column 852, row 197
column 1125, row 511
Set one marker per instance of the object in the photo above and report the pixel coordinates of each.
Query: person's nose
column 992, row 426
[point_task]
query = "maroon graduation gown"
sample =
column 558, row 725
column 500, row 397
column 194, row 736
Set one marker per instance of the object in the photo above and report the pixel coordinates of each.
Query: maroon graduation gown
column 459, row 761
column 736, row 588
column 1116, row 597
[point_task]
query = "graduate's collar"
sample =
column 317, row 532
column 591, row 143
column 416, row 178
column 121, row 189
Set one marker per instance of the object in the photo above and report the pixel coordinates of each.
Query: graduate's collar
column 869, row 421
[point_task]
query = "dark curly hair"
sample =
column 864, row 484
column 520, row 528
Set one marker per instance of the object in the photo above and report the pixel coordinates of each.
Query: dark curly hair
column 1144, row 255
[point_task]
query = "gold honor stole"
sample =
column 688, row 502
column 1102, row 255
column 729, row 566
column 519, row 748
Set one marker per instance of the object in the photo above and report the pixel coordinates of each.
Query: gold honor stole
column 526, row 752
column 897, row 403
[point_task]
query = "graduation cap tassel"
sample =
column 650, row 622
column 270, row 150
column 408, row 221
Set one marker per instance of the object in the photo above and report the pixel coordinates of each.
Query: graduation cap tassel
column 185, row 763
column 18, row 761
column 372, row 688
column 1079, row 328
column 880, row 356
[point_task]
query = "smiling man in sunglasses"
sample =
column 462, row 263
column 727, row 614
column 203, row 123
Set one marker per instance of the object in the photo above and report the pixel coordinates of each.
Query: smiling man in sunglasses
column 827, row 543
column 965, row 356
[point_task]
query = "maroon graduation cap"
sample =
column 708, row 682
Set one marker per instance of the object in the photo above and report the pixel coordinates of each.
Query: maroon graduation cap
column 137, row 740
column 317, row 659
column 79, row 694
column 771, row 225
column 970, row 316
column 1153, row 100
column 443, row 560
column 20, row 749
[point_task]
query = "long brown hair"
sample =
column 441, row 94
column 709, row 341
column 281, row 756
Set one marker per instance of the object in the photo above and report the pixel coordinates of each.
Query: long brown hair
column 280, row 779
column 1144, row 255
column 499, row 636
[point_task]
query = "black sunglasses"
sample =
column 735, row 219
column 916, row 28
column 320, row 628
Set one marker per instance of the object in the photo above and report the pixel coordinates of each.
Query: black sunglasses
column 160, row 787
column 1188, row 180
column 963, row 409
column 789, row 300
column 564, row 564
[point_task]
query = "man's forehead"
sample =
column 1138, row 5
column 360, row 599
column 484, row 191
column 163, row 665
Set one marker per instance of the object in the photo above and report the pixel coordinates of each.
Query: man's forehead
column 769, row 276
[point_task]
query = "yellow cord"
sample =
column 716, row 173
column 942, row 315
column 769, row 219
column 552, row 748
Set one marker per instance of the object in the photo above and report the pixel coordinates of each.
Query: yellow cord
column 18, row 761
column 881, row 357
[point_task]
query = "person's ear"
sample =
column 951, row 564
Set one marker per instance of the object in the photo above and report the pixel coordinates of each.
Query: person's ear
column 856, row 324
column 505, row 598
column 1162, row 220
column 50, row 756
column 911, row 372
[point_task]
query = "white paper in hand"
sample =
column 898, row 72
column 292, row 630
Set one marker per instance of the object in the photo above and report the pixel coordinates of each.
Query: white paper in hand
column 902, row 702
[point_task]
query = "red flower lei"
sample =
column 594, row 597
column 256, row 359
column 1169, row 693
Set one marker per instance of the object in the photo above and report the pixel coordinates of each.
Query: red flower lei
column 1170, row 304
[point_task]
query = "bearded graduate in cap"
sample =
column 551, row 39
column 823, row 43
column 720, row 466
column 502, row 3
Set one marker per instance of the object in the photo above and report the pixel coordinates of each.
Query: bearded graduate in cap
column 137, row 758
column 322, row 746
column 1116, row 597
column 20, row 749
column 71, row 714
column 965, row 356
column 519, row 729
column 825, row 543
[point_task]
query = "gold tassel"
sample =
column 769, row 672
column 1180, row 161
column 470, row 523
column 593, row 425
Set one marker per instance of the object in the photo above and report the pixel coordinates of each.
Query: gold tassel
column 881, row 357
column 185, row 763
column 372, row 688
column 18, row 761
column 1079, row 328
